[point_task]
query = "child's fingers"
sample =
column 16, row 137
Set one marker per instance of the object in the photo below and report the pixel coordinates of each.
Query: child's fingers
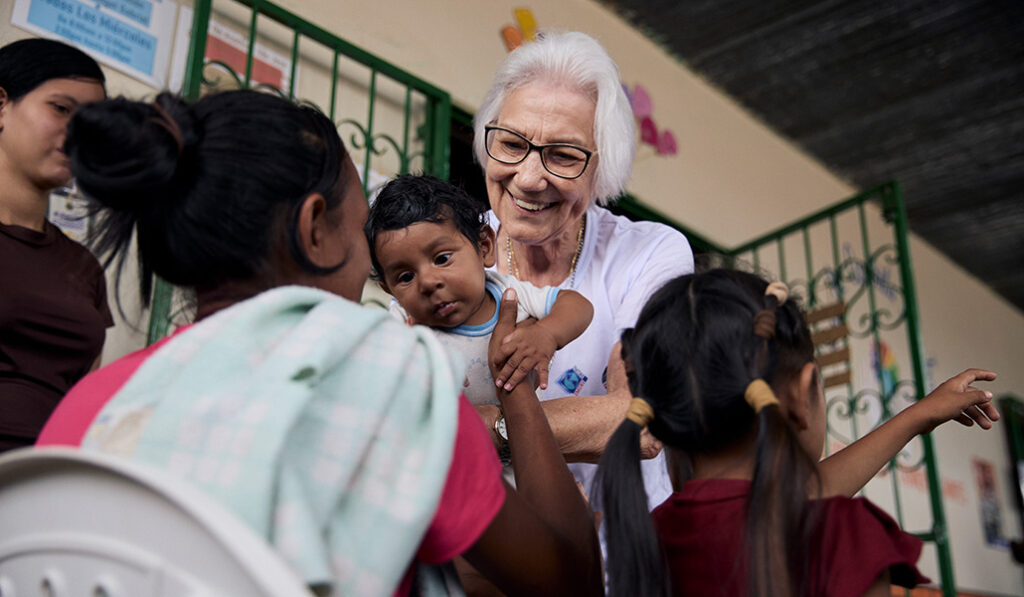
column 971, row 375
column 507, row 371
column 522, row 369
column 964, row 420
column 990, row 410
column 975, row 413
column 542, row 369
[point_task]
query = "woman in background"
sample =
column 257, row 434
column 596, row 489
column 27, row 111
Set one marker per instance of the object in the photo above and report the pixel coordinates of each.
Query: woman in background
column 53, row 302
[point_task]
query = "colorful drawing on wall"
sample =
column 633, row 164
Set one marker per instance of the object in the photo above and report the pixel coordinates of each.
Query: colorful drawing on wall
column 524, row 31
column 664, row 141
column 988, row 500
column 886, row 369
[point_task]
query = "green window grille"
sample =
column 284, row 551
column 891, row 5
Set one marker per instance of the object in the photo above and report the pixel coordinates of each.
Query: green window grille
column 392, row 121
column 856, row 253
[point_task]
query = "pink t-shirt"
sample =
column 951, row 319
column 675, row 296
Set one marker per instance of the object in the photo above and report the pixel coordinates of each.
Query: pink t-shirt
column 472, row 496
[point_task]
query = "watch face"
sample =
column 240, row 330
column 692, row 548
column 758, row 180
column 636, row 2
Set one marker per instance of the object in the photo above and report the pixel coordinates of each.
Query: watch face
column 502, row 431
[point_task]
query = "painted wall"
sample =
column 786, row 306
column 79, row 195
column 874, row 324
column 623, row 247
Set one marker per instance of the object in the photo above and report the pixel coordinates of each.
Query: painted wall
column 731, row 180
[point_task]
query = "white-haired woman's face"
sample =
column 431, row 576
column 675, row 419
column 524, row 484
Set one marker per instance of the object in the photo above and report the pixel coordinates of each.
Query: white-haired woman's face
column 533, row 205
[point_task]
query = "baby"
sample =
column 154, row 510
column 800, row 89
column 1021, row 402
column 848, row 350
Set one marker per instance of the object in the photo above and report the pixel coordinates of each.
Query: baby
column 430, row 245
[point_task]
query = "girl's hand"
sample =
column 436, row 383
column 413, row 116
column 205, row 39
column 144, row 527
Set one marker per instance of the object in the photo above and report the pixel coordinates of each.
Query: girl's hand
column 956, row 400
column 526, row 349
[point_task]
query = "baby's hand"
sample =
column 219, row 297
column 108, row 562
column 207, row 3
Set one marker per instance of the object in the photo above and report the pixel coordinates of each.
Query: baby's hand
column 529, row 347
column 955, row 399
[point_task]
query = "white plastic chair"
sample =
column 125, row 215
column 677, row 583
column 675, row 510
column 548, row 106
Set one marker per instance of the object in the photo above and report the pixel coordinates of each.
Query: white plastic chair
column 79, row 524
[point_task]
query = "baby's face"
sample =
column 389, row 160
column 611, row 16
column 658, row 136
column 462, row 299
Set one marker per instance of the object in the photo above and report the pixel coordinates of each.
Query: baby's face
column 436, row 274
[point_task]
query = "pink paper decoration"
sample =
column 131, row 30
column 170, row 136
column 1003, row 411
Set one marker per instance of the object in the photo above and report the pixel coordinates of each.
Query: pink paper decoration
column 641, row 102
column 667, row 143
column 648, row 131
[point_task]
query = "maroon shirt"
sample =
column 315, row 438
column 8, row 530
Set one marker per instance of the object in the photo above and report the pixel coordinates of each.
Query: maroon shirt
column 701, row 532
column 53, row 317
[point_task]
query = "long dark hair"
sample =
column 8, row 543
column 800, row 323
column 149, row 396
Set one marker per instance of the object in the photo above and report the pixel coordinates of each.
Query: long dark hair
column 209, row 187
column 28, row 63
column 691, row 356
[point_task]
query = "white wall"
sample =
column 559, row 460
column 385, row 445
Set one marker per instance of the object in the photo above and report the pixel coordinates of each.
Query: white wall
column 732, row 179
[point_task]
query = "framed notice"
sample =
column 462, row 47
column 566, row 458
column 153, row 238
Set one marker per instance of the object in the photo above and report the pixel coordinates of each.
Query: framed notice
column 132, row 36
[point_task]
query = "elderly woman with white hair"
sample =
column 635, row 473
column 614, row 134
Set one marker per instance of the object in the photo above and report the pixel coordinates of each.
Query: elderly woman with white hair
column 555, row 136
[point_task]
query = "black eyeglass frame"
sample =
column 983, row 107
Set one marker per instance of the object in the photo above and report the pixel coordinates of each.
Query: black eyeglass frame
column 539, row 149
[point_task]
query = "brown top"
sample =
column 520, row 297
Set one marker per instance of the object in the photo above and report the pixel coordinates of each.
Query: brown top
column 53, row 316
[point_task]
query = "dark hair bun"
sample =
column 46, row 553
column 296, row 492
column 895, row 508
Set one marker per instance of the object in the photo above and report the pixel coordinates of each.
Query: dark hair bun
column 129, row 155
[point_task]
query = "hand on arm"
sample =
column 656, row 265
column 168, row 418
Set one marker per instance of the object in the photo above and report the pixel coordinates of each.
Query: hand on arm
column 847, row 471
column 530, row 348
column 542, row 542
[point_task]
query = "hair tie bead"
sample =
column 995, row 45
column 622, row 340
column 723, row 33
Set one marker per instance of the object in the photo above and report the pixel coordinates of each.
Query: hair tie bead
column 640, row 412
column 759, row 395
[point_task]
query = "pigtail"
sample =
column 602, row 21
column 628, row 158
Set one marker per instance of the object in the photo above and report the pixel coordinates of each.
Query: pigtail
column 779, row 526
column 635, row 564
column 705, row 353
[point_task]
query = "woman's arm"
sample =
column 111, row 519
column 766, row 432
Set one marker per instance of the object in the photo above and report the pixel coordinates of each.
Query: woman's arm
column 543, row 540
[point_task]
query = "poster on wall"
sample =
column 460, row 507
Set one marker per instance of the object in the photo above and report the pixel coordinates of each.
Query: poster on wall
column 229, row 47
column 988, row 499
column 69, row 211
column 132, row 36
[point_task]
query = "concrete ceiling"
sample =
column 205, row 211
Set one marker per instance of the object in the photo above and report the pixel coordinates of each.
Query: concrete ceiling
column 928, row 93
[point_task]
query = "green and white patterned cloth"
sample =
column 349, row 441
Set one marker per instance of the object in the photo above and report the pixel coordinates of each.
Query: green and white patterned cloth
column 327, row 426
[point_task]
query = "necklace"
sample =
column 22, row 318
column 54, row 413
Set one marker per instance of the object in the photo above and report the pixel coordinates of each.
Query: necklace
column 513, row 267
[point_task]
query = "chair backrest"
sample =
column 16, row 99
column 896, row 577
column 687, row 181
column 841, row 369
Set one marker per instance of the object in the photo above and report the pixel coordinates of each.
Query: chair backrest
column 76, row 523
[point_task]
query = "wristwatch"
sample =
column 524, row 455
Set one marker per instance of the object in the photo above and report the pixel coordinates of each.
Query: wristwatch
column 501, row 431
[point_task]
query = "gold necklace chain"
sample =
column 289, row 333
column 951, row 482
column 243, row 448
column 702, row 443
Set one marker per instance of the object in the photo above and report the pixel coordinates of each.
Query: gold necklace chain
column 513, row 267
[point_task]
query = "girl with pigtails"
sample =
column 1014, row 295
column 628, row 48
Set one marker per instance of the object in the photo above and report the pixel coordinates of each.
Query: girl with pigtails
column 722, row 369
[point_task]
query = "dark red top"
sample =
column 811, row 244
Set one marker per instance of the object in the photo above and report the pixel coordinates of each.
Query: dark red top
column 53, row 317
column 701, row 531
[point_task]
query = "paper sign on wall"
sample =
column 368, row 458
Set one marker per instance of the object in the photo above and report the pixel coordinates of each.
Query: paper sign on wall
column 132, row 36
column 229, row 46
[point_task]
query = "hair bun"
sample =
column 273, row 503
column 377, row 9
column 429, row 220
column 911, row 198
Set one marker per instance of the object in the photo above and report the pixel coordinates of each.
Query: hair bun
column 128, row 155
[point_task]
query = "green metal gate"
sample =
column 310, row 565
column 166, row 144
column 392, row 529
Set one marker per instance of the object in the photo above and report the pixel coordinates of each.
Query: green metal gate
column 391, row 121
column 857, row 255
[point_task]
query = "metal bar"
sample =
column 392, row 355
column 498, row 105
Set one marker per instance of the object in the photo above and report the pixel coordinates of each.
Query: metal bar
column 810, row 267
column 892, row 203
column 334, row 85
column 836, row 261
column 295, row 65
column 368, row 140
column 440, row 152
column 406, row 118
column 782, row 259
column 196, row 51
column 252, row 42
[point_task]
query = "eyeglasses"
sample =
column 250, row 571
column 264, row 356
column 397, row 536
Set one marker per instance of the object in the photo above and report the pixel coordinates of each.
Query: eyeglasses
column 561, row 159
